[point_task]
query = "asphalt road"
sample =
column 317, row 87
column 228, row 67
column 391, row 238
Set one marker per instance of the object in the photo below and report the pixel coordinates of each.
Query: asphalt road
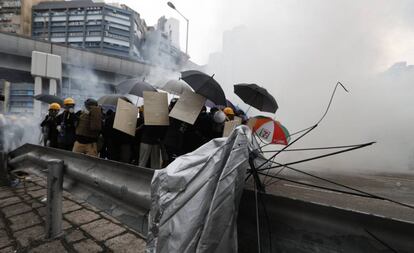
column 394, row 186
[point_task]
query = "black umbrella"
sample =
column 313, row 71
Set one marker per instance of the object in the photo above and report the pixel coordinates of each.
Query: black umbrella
column 47, row 98
column 211, row 104
column 112, row 99
column 256, row 96
column 204, row 85
column 135, row 87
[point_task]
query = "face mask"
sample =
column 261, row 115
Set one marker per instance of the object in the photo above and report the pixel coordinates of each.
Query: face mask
column 71, row 110
column 86, row 111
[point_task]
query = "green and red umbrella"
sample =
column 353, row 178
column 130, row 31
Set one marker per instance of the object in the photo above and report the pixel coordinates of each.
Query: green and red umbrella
column 270, row 130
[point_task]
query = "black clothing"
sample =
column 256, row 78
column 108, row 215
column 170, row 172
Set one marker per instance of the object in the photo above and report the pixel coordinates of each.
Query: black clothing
column 197, row 134
column 117, row 144
column 50, row 126
column 152, row 134
column 174, row 139
column 67, row 136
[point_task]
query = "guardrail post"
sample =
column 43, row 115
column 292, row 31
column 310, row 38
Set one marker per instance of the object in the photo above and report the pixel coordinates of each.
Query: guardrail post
column 54, row 199
column 4, row 177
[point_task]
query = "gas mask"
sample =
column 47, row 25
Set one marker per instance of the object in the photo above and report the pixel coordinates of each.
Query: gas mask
column 71, row 110
column 53, row 113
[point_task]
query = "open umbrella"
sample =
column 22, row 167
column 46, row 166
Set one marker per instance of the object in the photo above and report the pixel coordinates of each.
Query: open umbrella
column 256, row 96
column 204, row 85
column 111, row 99
column 135, row 87
column 270, row 130
column 47, row 98
column 176, row 87
column 211, row 104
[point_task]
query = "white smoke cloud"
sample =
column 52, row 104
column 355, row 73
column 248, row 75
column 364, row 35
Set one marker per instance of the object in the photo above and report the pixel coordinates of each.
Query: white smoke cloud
column 298, row 50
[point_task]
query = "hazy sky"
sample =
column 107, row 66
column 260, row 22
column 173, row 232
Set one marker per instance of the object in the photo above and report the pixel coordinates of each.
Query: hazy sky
column 210, row 18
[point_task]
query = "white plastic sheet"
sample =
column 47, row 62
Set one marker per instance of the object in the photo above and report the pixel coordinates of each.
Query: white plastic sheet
column 195, row 199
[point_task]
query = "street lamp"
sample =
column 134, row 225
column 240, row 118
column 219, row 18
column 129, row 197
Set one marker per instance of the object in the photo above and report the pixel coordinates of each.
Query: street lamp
column 172, row 6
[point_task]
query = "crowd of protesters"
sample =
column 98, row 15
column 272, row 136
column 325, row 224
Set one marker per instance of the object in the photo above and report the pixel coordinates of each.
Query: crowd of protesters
column 91, row 132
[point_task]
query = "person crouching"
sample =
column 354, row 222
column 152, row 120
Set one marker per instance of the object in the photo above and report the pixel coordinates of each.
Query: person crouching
column 88, row 129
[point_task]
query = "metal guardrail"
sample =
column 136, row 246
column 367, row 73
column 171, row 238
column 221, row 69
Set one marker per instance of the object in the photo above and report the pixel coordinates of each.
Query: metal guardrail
column 4, row 178
column 121, row 190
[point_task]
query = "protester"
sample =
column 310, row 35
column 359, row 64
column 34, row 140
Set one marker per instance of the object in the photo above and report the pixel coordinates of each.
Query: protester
column 66, row 125
column 199, row 133
column 229, row 113
column 218, row 124
column 150, row 147
column 88, row 129
column 118, row 145
column 49, row 126
column 240, row 113
column 174, row 137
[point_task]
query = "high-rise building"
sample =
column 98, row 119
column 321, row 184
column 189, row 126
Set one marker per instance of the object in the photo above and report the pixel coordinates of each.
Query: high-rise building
column 10, row 16
column 16, row 15
column 93, row 25
column 172, row 27
column 159, row 49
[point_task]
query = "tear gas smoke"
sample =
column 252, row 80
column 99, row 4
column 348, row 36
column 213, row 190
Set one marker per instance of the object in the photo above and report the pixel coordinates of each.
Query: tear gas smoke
column 298, row 50
column 16, row 130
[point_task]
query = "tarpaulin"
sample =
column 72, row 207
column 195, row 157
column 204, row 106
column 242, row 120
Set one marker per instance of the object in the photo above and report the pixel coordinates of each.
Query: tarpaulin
column 195, row 199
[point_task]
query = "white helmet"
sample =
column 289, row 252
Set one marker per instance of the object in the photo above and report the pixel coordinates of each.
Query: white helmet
column 219, row 117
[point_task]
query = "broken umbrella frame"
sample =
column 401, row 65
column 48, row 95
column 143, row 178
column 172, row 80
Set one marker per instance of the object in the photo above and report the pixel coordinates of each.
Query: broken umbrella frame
column 261, row 172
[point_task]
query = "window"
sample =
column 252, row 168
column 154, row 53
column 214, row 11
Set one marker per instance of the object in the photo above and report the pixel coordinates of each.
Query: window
column 26, row 104
column 75, row 23
column 76, row 34
column 22, row 92
column 95, row 33
column 58, row 34
column 58, row 23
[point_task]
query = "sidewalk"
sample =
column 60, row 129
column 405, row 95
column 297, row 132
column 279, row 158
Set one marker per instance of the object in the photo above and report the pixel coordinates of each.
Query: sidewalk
column 86, row 229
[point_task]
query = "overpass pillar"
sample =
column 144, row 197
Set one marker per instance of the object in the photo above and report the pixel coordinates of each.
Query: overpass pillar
column 52, row 87
column 37, row 107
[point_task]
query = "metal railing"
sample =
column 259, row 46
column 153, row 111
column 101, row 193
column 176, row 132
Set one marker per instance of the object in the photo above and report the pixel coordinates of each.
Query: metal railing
column 121, row 190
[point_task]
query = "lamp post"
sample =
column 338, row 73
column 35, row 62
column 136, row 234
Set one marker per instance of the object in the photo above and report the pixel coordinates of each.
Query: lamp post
column 172, row 6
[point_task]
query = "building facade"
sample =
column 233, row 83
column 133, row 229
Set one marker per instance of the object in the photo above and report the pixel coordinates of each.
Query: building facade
column 10, row 14
column 16, row 15
column 96, row 26
column 159, row 47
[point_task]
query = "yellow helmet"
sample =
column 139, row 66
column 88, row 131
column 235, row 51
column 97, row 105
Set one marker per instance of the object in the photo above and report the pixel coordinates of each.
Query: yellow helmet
column 228, row 111
column 54, row 106
column 69, row 101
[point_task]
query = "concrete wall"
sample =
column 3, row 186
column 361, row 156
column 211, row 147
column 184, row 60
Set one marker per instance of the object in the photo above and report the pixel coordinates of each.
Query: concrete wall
column 295, row 226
